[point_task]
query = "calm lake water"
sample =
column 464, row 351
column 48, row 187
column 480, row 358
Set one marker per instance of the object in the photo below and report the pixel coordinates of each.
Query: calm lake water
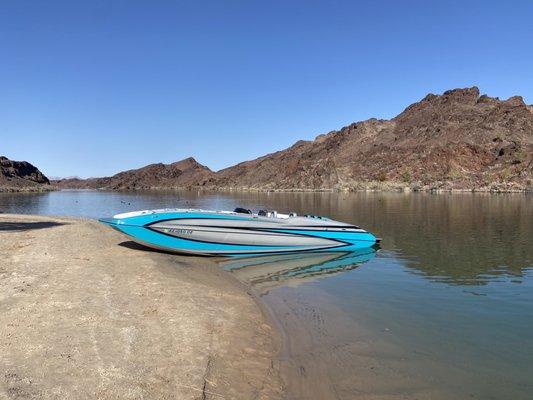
column 444, row 310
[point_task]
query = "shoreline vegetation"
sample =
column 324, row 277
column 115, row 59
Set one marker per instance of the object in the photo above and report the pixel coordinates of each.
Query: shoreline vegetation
column 375, row 186
column 28, row 189
column 85, row 314
column 370, row 186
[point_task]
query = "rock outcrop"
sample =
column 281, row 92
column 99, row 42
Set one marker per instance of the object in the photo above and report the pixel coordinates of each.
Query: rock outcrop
column 455, row 140
column 21, row 175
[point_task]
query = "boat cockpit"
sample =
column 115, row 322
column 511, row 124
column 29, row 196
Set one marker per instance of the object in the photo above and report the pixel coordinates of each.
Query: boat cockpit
column 265, row 213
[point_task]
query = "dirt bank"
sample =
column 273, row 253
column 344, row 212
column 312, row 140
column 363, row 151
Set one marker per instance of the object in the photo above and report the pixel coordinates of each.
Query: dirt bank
column 85, row 314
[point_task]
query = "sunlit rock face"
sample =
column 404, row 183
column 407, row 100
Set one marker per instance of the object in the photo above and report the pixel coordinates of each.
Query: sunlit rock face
column 455, row 140
column 20, row 175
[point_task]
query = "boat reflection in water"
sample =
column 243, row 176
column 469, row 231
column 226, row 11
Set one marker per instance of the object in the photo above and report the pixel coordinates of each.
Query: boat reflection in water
column 267, row 272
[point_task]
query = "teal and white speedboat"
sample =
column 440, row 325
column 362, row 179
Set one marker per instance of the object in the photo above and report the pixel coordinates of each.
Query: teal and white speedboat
column 238, row 232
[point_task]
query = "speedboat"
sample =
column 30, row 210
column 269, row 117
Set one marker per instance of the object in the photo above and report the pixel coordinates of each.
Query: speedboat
column 238, row 232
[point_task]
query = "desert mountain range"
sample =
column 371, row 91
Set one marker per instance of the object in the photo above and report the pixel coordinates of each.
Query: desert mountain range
column 457, row 140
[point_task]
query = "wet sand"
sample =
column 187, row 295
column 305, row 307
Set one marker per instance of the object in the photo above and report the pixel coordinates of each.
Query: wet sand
column 327, row 356
column 85, row 314
column 328, row 353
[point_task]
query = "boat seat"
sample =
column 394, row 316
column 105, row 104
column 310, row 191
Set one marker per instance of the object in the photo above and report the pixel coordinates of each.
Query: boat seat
column 240, row 210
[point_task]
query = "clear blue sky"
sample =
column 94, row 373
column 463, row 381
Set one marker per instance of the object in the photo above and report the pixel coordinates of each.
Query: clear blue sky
column 91, row 88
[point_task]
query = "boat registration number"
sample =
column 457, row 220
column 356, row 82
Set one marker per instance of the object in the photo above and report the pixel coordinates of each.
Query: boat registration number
column 179, row 231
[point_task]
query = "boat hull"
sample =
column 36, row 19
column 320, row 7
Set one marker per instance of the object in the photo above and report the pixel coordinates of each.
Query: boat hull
column 222, row 233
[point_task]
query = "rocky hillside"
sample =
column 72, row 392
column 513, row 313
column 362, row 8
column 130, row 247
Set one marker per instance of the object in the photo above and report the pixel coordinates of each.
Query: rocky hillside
column 455, row 140
column 182, row 174
column 21, row 175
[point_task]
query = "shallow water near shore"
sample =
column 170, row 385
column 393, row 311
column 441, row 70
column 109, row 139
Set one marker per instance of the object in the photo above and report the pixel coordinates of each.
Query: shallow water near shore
column 443, row 310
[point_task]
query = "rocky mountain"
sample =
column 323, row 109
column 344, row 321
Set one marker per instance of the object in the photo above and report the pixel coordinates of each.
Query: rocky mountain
column 21, row 175
column 455, row 140
column 182, row 174
column 460, row 140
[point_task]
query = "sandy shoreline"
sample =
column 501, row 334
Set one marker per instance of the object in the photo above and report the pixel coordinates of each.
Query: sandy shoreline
column 85, row 314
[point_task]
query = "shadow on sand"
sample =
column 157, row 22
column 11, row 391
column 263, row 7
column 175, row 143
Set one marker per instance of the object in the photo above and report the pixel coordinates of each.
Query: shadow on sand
column 136, row 246
column 27, row 226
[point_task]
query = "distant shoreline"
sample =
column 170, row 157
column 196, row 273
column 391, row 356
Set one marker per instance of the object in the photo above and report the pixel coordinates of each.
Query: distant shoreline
column 27, row 189
column 363, row 187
